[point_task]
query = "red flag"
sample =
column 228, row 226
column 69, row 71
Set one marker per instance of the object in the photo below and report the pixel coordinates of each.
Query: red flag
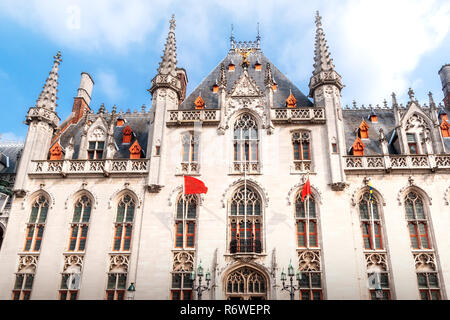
column 306, row 190
column 193, row 185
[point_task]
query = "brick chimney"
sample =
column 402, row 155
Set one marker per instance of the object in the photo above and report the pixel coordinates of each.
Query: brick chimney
column 444, row 73
column 83, row 99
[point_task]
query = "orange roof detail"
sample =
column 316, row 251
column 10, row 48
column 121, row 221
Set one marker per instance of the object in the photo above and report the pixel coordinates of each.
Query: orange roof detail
column 358, row 147
column 135, row 150
column 56, row 152
column 199, row 103
column 364, row 126
column 291, row 101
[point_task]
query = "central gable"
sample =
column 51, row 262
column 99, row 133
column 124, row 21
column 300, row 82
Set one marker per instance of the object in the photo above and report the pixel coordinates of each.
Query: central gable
column 245, row 86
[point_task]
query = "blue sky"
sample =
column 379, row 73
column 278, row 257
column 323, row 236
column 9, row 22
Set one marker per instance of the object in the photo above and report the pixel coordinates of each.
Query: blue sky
column 377, row 46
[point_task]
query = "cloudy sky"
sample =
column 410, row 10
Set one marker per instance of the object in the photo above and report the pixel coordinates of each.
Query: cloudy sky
column 377, row 46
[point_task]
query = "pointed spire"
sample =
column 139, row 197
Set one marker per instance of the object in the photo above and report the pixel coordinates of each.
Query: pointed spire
column 102, row 109
column 232, row 40
column 258, row 36
column 323, row 62
column 268, row 80
column 430, row 97
column 394, row 100
column 47, row 98
column 223, row 77
column 169, row 59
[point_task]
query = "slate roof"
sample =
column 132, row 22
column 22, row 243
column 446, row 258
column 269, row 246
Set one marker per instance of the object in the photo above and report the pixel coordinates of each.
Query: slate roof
column 9, row 153
column 279, row 97
column 386, row 121
column 139, row 123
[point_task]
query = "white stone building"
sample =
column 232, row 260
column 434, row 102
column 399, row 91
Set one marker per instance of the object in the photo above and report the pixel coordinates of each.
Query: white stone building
column 98, row 199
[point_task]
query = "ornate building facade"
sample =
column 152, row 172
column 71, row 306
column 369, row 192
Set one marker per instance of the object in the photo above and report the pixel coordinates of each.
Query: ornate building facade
column 98, row 203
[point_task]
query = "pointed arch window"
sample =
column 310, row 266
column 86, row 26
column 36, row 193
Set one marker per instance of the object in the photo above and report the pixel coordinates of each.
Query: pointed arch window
column 417, row 221
column 36, row 224
column 123, row 226
column 80, row 224
column 185, row 221
column 246, row 143
column 306, row 222
column 371, row 224
column 190, row 142
column 425, row 260
column 245, row 222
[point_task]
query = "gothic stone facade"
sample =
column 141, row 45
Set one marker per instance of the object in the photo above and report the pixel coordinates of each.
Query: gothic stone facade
column 98, row 201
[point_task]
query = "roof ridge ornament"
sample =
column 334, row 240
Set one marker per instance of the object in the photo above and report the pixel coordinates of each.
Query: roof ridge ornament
column 47, row 98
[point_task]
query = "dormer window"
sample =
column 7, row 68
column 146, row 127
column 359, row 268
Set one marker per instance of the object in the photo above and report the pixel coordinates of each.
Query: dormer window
column 364, row 130
column 199, row 103
column 412, row 143
column 358, row 147
column 231, row 66
column 445, row 129
column 135, row 150
column 215, row 88
column 95, row 150
column 56, row 152
column 127, row 133
column 258, row 66
column 373, row 118
column 291, row 102
column 120, row 122
column 274, row 86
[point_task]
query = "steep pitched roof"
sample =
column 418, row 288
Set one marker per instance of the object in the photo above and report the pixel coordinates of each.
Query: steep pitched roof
column 280, row 95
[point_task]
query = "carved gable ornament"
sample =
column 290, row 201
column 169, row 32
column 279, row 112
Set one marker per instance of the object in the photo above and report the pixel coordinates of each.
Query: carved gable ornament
column 416, row 121
column 245, row 86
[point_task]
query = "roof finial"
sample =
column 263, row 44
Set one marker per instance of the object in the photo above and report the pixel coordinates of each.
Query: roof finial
column 411, row 94
column 47, row 97
column 223, row 77
column 169, row 59
column 430, row 96
column 318, row 20
column 268, row 81
column 232, row 41
column 258, row 36
column 394, row 99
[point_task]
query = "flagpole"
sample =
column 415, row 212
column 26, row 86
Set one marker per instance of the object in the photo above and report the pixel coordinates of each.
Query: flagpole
column 245, row 200
column 307, row 213
column 184, row 211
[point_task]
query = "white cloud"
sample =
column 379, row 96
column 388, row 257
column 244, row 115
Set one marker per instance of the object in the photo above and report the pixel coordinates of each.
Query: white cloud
column 107, row 82
column 376, row 45
column 10, row 137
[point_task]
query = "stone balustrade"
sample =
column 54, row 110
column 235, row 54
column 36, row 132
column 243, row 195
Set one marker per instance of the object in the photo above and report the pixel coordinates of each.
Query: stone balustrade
column 397, row 162
column 315, row 114
column 190, row 116
column 82, row 167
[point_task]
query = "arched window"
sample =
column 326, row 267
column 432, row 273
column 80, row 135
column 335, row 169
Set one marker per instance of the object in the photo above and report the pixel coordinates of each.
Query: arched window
column 377, row 259
column 96, row 143
column 306, row 222
column 246, row 283
column 246, row 143
column 124, row 224
column 245, row 218
column 80, row 224
column 371, row 224
column 185, row 219
column 417, row 222
column 190, row 142
column 425, row 260
column 301, row 144
column 36, row 224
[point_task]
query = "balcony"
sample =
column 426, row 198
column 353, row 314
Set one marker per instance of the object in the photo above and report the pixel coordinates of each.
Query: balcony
column 250, row 167
column 106, row 167
column 189, row 117
column 301, row 166
column 298, row 115
column 245, row 246
column 397, row 162
column 189, row 168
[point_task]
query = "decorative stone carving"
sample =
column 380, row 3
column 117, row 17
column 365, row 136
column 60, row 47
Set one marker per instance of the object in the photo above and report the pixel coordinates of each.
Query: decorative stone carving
column 119, row 261
column 183, row 261
column 250, row 183
column 73, row 260
column 376, row 261
column 28, row 262
column 424, row 261
column 309, row 260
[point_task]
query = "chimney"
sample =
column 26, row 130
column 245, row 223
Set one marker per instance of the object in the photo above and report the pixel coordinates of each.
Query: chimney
column 444, row 73
column 83, row 99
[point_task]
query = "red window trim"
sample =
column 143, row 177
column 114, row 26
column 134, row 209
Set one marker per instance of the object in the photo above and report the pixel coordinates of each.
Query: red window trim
column 178, row 235
column 302, row 234
column 190, row 234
